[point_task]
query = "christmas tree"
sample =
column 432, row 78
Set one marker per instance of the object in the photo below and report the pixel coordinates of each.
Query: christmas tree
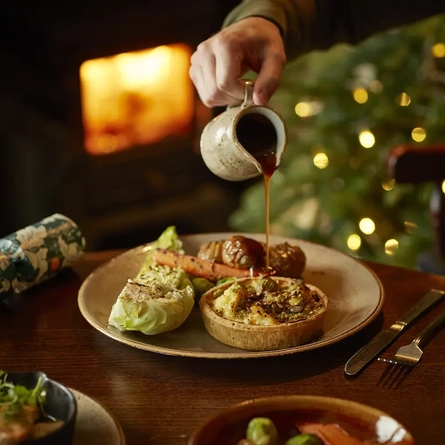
column 345, row 109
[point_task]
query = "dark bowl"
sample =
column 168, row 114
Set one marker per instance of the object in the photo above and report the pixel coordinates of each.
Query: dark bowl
column 60, row 404
column 361, row 421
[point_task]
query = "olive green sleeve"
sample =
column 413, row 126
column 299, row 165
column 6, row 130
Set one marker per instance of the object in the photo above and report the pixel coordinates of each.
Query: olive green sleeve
column 318, row 24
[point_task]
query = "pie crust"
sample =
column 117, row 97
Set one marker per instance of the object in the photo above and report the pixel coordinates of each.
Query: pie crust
column 261, row 338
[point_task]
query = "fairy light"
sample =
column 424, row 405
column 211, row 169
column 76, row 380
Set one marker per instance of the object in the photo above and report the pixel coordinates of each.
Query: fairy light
column 410, row 227
column 367, row 226
column 418, row 134
column 376, row 86
column 360, row 95
column 366, row 139
column 403, row 100
column 443, row 187
column 308, row 108
column 438, row 50
column 388, row 185
column 354, row 241
column 303, row 109
column 321, row 160
column 391, row 247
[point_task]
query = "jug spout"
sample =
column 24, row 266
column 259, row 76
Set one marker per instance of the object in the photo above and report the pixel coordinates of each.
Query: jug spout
column 261, row 133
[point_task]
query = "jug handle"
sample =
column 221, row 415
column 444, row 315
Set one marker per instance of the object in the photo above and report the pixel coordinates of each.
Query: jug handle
column 248, row 94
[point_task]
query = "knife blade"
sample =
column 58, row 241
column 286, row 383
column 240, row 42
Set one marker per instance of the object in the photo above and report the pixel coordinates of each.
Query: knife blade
column 384, row 338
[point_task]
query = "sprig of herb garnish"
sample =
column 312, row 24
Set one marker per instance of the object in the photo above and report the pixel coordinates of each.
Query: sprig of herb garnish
column 14, row 397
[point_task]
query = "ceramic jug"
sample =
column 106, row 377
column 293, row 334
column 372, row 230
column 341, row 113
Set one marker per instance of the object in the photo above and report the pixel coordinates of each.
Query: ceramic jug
column 230, row 141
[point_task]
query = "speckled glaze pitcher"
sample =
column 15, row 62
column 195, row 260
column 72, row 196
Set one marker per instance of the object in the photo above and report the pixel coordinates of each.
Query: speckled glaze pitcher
column 228, row 141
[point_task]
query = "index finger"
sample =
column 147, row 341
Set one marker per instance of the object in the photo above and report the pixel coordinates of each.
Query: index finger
column 229, row 63
column 269, row 78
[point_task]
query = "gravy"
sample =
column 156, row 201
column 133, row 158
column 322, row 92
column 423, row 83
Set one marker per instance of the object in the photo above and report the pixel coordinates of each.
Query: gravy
column 258, row 136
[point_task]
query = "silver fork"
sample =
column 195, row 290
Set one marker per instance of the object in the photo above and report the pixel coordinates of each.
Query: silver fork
column 411, row 354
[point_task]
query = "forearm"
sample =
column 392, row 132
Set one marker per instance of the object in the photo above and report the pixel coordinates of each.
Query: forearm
column 318, row 24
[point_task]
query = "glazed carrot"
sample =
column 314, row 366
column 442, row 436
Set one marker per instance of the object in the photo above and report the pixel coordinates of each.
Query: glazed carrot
column 198, row 267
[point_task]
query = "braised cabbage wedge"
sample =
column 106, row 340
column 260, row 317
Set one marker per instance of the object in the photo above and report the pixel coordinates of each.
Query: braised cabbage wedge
column 159, row 298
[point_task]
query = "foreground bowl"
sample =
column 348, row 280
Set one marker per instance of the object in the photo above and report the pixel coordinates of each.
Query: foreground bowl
column 60, row 405
column 360, row 421
column 256, row 337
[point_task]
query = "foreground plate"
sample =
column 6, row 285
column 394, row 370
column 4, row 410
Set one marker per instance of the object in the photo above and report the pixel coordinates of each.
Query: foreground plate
column 362, row 421
column 355, row 299
column 94, row 421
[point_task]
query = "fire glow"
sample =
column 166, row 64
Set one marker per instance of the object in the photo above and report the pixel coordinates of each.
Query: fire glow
column 136, row 98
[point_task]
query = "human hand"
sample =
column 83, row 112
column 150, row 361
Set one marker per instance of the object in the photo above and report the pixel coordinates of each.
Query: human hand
column 218, row 64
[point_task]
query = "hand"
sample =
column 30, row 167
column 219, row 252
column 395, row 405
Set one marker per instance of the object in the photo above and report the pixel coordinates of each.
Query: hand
column 218, row 64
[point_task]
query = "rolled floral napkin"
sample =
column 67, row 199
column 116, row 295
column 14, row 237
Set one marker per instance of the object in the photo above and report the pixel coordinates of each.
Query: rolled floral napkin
column 7, row 275
column 37, row 252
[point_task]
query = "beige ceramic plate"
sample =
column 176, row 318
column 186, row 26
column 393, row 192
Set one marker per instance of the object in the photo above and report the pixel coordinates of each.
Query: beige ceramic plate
column 355, row 299
column 362, row 421
column 94, row 422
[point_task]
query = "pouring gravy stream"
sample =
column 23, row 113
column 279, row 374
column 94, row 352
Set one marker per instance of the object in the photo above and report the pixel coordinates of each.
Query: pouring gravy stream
column 258, row 136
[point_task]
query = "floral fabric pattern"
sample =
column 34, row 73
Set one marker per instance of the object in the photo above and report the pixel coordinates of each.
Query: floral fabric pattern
column 37, row 252
column 8, row 276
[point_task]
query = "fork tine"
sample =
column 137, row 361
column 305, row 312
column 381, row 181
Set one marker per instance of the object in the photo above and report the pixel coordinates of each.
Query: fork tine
column 394, row 374
column 389, row 375
column 384, row 375
column 399, row 377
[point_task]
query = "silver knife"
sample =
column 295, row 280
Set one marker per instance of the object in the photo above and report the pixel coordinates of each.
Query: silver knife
column 384, row 338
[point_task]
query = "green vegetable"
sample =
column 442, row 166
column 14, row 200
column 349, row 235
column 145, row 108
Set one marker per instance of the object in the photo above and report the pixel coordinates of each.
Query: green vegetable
column 224, row 280
column 159, row 299
column 201, row 286
column 162, row 303
column 168, row 240
column 262, row 431
column 13, row 397
column 304, row 439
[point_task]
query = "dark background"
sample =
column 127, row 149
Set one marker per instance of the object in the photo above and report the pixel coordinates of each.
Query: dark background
column 44, row 167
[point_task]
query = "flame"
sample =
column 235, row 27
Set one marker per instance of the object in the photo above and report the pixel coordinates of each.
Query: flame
column 136, row 98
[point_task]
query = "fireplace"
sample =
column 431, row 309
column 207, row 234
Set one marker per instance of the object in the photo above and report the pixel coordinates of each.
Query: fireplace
column 101, row 121
column 136, row 98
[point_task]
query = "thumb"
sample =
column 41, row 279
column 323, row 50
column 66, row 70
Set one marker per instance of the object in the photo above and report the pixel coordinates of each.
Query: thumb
column 269, row 78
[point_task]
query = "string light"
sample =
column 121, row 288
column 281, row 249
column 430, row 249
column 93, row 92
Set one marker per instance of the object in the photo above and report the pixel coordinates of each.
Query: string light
column 376, row 86
column 360, row 95
column 303, row 109
column 443, row 187
column 388, row 185
column 367, row 139
column 410, row 227
column 306, row 109
column 403, row 100
column 367, row 226
column 321, row 160
column 438, row 50
column 391, row 247
column 418, row 134
column 354, row 241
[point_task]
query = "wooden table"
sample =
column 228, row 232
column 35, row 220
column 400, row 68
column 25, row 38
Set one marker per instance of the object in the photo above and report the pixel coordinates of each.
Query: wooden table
column 159, row 399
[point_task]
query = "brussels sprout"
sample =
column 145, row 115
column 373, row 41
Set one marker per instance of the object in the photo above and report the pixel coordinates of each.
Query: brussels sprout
column 201, row 286
column 304, row 439
column 262, row 431
column 264, row 284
